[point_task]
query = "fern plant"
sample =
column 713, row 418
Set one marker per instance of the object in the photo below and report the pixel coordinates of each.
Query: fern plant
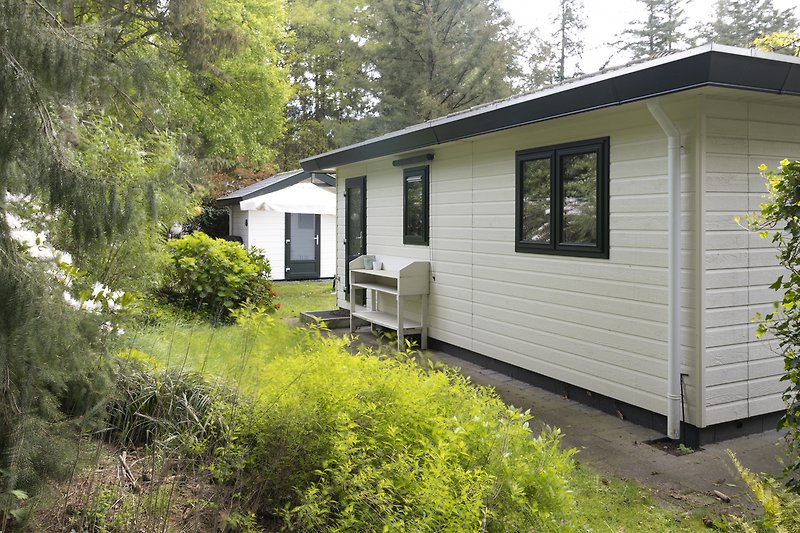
column 781, row 506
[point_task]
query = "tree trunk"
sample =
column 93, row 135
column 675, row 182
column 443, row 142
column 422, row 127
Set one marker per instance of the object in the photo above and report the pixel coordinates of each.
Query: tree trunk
column 562, row 57
column 68, row 13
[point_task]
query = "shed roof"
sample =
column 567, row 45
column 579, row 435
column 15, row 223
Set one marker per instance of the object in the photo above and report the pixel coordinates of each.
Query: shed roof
column 709, row 65
column 273, row 184
column 299, row 198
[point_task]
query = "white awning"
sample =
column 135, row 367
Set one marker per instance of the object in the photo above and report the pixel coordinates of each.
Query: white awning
column 300, row 198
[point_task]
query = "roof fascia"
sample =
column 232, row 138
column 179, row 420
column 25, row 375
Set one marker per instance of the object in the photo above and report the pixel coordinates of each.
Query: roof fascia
column 283, row 184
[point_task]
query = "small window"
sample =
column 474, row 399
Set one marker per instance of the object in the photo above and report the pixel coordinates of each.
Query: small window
column 562, row 199
column 415, row 205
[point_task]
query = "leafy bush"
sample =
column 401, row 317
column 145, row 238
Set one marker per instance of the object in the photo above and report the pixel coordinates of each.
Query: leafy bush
column 779, row 219
column 406, row 449
column 335, row 441
column 214, row 276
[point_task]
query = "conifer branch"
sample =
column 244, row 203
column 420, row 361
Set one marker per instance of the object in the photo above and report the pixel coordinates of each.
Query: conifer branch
column 44, row 115
column 59, row 24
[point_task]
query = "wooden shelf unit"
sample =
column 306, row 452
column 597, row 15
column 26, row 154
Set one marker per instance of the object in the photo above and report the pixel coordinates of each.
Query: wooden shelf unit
column 401, row 278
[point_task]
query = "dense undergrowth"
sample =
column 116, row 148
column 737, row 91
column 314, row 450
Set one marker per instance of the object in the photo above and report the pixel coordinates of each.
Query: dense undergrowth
column 258, row 426
column 294, row 431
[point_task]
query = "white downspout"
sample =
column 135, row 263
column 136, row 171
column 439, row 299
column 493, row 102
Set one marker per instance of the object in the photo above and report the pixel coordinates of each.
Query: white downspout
column 674, row 283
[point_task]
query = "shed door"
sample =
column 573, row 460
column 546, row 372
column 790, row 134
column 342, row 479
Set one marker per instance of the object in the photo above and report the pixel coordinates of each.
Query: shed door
column 302, row 246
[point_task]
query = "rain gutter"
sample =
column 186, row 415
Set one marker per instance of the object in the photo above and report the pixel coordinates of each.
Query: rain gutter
column 674, row 268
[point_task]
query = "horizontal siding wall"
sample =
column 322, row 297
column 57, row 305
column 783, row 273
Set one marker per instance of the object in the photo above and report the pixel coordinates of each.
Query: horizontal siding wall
column 268, row 232
column 237, row 223
column 327, row 246
column 742, row 373
column 600, row 324
column 596, row 323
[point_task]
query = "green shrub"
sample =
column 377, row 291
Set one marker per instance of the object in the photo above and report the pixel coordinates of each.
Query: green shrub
column 214, row 276
column 335, row 441
column 779, row 220
column 400, row 448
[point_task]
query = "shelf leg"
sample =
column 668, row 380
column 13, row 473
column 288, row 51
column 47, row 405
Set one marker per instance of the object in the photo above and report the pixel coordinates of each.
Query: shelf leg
column 401, row 344
column 424, row 320
column 352, row 308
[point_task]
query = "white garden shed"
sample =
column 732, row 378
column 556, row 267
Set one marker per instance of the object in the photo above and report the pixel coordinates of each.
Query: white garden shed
column 584, row 235
column 291, row 217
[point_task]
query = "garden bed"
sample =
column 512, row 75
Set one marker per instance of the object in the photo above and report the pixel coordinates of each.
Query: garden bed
column 335, row 318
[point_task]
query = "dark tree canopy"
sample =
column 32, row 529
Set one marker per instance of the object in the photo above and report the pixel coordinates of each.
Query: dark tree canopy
column 436, row 57
column 329, row 67
column 359, row 70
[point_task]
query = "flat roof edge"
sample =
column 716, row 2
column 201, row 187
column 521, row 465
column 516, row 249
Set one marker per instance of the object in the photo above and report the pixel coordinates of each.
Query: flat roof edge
column 708, row 65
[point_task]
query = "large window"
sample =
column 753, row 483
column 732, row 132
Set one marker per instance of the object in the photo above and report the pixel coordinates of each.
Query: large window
column 562, row 199
column 415, row 205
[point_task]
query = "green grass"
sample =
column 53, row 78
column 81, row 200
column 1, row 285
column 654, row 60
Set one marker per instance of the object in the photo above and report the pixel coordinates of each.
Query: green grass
column 239, row 353
column 236, row 351
column 607, row 504
column 297, row 296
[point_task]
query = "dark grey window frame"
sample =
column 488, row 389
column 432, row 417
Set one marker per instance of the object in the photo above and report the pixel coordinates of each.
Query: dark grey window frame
column 424, row 172
column 601, row 248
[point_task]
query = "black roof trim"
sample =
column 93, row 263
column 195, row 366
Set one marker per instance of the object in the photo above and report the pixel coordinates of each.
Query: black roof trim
column 272, row 184
column 710, row 65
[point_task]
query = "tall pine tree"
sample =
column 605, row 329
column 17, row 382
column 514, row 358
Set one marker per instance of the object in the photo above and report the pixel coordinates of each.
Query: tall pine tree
column 740, row 22
column 567, row 42
column 327, row 56
column 47, row 349
column 434, row 57
column 659, row 33
column 542, row 67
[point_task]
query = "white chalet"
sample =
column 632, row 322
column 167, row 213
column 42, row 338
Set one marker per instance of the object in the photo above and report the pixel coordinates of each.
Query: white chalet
column 291, row 217
column 585, row 235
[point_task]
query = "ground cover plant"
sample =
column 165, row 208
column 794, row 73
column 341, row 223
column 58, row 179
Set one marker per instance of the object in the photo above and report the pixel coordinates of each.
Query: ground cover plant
column 600, row 503
column 604, row 503
column 335, row 441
